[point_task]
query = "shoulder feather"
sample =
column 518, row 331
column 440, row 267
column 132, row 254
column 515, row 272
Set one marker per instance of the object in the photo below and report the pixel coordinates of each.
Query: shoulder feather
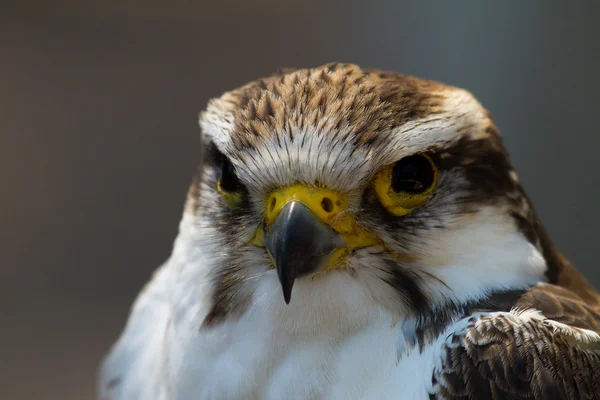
column 546, row 347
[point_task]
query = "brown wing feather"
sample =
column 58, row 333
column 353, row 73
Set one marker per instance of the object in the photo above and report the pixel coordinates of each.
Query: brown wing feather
column 516, row 355
column 562, row 305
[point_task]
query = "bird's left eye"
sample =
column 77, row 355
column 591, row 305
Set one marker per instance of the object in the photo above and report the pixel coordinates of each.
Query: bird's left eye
column 407, row 184
column 229, row 184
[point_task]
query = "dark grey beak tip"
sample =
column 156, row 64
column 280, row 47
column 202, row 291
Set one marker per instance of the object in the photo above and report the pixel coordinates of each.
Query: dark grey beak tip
column 287, row 295
column 287, row 283
column 299, row 243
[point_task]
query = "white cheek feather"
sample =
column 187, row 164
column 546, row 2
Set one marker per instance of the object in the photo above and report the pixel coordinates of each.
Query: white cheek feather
column 485, row 254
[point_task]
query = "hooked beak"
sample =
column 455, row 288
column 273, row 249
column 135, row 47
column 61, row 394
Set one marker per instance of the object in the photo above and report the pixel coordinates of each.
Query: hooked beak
column 309, row 229
column 299, row 243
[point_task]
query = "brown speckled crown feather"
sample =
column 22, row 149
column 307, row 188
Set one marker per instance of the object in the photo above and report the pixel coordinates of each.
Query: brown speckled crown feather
column 369, row 101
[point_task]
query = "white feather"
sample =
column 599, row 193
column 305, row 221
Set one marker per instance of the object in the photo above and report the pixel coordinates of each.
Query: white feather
column 333, row 341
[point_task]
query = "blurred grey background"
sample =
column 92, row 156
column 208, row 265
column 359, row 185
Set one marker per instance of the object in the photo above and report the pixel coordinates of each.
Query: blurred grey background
column 98, row 136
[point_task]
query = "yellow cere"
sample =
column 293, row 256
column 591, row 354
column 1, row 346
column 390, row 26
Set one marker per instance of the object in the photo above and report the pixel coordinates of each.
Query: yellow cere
column 329, row 206
column 233, row 199
column 400, row 203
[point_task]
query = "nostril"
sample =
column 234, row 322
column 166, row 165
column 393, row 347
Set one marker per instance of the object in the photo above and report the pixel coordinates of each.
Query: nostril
column 272, row 204
column 327, row 204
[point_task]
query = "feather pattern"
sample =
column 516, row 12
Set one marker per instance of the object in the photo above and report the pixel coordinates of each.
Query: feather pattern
column 526, row 353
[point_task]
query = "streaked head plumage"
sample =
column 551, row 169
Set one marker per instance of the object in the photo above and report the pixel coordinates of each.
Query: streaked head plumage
column 338, row 128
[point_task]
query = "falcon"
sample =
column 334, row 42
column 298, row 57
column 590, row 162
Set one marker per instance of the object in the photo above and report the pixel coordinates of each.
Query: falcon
column 357, row 234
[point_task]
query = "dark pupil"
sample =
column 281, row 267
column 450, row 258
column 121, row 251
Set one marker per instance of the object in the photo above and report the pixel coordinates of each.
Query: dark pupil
column 412, row 174
column 229, row 180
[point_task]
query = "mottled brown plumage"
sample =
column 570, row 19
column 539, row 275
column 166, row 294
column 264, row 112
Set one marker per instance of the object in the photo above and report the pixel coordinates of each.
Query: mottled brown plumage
column 501, row 356
column 562, row 305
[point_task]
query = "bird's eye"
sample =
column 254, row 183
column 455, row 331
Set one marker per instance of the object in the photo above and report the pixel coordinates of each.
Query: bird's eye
column 229, row 185
column 407, row 184
column 228, row 181
column 413, row 174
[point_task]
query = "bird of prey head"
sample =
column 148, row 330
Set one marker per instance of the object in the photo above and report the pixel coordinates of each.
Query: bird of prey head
column 338, row 181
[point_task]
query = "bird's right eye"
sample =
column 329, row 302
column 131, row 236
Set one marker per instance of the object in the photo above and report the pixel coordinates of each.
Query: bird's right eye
column 229, row 185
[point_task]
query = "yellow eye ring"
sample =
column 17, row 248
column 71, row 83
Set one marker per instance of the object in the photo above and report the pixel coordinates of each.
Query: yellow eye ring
column 407, row 184
column 233, row 199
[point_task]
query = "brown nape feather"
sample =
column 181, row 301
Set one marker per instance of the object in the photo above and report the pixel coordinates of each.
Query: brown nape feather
column 562, row 273
column 562, row 305
column 569, row 277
